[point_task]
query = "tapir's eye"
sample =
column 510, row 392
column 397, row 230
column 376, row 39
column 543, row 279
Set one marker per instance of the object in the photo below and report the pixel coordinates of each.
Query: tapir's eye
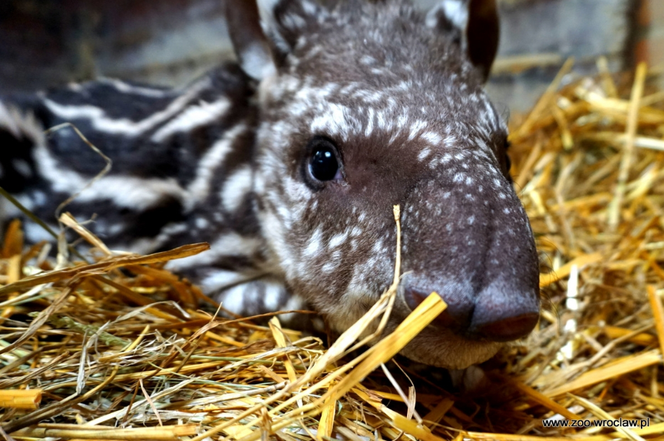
column 323, row 161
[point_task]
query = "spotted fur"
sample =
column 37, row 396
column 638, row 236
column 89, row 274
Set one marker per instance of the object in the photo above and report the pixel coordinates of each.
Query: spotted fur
column 224, row 160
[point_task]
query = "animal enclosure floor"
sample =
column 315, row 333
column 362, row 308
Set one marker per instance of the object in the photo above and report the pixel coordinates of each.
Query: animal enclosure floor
column 116, row 348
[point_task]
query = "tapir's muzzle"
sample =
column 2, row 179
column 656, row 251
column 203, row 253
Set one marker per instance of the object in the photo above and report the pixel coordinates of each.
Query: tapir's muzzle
column 498, row 312
column 472, row 244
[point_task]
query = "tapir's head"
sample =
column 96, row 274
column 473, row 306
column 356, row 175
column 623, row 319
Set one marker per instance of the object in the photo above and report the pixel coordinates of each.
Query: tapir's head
column 368, row 105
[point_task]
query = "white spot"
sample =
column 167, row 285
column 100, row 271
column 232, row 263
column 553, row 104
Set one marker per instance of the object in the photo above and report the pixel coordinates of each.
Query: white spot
column 39, row 197
column 174, row 228
column 329, row 267
column 367, row 60
column 201, row 223
column 116, row 229
column 370, row 118
column 311, row 9
column 335, row 120
column 22, row 167
column 423, row 154
column 293, row 21
column 433, row 138
column 314, row 244
column 337, row 240
column 416, row 128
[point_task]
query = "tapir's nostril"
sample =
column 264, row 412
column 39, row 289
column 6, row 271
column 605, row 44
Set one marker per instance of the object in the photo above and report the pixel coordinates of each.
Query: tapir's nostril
column 453, row 317
column 505, row 311
column 507, row 329
column 498, row 312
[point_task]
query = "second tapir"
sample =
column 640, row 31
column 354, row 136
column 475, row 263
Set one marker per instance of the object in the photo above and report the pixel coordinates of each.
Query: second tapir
column 289, row 162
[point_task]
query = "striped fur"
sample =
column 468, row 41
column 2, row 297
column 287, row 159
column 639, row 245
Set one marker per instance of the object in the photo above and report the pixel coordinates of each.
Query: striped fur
column 182, row 173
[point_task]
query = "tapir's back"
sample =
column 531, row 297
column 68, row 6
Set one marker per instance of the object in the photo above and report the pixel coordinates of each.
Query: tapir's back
column 167, row 147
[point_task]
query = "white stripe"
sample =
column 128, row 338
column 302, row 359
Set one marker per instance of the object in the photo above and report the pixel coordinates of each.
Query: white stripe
column 273, row 295
column 230, row 244
column 294, row 303
column 123, row 87
column 236, row 188
column 193, row 117
column 219, row 279
column 233, row 299
column 100, row 121
column 124, row 191
column 199, row 188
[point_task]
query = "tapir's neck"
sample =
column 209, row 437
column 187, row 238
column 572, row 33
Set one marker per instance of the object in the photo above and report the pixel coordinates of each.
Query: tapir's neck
column 220, row 203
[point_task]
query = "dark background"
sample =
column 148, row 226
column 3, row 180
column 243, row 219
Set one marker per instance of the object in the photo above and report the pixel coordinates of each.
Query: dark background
column 45, row 43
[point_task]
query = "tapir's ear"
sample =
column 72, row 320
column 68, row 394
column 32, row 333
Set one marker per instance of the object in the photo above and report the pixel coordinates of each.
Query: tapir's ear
column 475, row 24
column 264, row 32
column 251, row 47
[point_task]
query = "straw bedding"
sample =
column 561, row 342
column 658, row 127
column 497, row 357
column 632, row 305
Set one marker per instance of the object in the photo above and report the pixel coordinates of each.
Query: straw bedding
column 118, row 348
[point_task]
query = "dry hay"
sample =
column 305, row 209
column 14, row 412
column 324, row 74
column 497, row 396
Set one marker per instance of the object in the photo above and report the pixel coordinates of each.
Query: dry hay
column 118, row 349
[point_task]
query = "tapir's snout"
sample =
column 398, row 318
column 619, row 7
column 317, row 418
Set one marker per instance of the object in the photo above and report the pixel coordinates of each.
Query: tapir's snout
column 498, row 312
column 473, row 245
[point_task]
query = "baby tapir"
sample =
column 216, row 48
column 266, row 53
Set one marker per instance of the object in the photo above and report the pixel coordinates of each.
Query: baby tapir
column 289, row 162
